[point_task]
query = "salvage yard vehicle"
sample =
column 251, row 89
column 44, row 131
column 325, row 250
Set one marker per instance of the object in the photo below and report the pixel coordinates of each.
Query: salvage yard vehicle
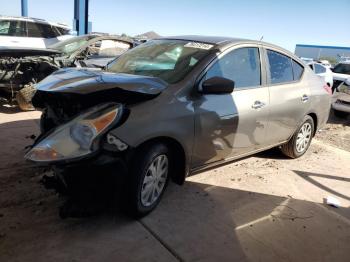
column 323, row 72
column 341, row 97
column 31, row 32
column 22, row 68
column 198, row 102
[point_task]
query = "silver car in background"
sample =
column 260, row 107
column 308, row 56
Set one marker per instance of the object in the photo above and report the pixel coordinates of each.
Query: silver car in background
column 175, row 106
column 341, row 97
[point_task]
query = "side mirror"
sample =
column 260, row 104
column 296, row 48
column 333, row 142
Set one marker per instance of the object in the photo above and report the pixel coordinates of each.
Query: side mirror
column 217, row 85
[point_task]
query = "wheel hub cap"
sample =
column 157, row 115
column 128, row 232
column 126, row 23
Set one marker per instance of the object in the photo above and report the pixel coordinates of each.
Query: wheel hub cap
column 303, row 138
column 154, row 180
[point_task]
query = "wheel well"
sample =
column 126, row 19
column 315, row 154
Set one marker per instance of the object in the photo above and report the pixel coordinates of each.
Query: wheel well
column 314, row 118
column 177, row 153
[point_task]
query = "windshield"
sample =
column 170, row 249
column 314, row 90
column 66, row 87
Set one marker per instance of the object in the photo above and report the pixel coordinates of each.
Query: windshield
column 342, row 69
column 71, row 45
column 170, row 60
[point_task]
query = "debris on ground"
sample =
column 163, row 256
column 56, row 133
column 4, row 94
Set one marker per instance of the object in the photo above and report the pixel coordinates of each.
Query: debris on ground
column 332, row 201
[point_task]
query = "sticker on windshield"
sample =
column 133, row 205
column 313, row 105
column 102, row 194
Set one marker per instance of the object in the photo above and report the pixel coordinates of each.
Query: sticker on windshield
column 199, row 45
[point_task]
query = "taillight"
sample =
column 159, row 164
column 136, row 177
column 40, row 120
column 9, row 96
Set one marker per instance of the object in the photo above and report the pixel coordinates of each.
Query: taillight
column 328, row 89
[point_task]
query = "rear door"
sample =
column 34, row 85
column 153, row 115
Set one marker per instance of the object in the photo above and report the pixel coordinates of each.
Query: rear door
column 289, row 95
column 228, row 125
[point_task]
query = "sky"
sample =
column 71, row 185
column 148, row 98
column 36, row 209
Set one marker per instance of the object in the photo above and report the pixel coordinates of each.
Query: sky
column 284, row 23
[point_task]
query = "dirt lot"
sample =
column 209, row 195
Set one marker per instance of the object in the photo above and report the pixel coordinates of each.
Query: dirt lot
column 262, row 208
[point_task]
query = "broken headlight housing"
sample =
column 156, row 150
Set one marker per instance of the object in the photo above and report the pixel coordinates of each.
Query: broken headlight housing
column 78, row 137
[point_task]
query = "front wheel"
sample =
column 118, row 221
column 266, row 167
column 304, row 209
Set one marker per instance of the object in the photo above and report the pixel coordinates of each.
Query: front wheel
column 301, row 140
column 148, row 179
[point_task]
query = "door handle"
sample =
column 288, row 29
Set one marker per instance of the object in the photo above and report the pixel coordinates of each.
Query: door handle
column 258, row 105
column 304, row 98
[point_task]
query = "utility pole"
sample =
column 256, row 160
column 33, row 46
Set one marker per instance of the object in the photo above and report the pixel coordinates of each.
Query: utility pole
column 81, row 16
column 24, row 7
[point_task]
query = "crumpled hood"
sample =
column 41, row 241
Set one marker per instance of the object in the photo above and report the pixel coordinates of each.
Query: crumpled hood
column 86, row 81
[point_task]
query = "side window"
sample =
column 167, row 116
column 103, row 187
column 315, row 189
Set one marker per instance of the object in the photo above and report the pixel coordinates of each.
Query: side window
column 319, row 69
column 33, row 30
column 241, row 65
column 280, row 67
column 4, row 27
column 62, row 31
column 46, row 31
column 298, row 70
column 12, row 28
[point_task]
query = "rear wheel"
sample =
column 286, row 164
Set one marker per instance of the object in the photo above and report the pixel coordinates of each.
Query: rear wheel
column 301, row 140
column 149, row 178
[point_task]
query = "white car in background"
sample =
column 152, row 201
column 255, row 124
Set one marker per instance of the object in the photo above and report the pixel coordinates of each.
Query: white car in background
column 326, row 63
column 30, row 32
column 322, row 71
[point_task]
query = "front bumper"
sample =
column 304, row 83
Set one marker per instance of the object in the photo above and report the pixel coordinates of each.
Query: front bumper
column 341, row 99
column 340, row 105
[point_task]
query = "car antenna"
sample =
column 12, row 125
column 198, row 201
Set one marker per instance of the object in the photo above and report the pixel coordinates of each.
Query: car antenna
column 261, row 38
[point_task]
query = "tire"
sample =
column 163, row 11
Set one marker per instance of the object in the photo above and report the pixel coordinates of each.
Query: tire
column 137, row 203
column 294, row 148
column 340, row 114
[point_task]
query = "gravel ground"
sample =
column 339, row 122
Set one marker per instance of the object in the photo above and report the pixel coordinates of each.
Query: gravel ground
column 336, row 133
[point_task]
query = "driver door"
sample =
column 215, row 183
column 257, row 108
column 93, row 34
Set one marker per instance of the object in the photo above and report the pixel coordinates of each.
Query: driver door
column 229, row 125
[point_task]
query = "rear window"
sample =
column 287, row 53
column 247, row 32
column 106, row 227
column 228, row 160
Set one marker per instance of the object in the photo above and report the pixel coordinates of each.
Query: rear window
column 280, row 68
column 62, row 31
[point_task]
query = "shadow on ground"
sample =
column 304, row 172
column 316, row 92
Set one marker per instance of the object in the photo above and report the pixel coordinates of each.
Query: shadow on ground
column 196, row 222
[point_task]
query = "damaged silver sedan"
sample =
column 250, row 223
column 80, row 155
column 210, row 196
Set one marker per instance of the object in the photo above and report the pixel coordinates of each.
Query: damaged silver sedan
column 176, row 106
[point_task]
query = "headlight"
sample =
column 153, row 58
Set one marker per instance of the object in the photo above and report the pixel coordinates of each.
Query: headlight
column 76, row 138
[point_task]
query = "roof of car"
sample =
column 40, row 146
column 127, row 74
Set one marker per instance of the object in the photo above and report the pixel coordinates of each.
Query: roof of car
column 215, row 40
column 32, row 19
column 221, row 41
